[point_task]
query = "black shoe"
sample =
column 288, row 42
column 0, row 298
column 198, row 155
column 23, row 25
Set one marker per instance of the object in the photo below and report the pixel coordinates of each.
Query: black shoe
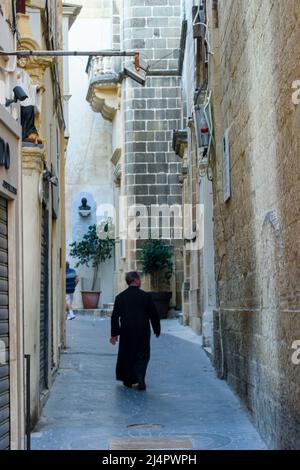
column 128, row 385
column 141, row 386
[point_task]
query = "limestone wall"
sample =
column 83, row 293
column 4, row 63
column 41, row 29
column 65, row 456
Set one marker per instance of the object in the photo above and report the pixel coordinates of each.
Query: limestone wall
column 256, row 231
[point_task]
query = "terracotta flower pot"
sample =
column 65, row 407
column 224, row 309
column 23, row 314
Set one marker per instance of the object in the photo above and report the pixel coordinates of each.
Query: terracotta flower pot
column 162, row 301
column 90, row 299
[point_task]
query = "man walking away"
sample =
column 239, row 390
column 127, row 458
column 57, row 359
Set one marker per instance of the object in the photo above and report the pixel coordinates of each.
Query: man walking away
column 71, row 283
column 133, row 312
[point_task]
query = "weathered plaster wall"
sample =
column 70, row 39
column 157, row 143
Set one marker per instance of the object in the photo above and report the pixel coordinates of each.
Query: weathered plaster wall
column 88, row 165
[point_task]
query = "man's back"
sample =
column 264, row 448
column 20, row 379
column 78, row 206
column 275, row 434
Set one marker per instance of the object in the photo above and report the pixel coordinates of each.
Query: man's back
column 70, row 280
column 135, row 308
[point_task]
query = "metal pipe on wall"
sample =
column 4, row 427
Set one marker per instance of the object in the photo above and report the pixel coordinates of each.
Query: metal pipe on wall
column 59, row 53
column 28, row 403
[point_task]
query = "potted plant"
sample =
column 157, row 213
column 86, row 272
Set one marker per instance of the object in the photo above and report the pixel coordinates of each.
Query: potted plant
column 95, row 248
column 156, row 259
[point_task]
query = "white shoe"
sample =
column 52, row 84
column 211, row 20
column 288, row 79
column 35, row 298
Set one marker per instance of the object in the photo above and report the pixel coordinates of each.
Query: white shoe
column 71, row 316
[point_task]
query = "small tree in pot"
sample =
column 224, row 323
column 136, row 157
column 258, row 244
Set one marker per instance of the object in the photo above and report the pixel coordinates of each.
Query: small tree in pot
column 156, row 259
column 95, row 248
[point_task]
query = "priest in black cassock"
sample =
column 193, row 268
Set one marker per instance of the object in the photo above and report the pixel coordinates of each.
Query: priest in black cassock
column 133, row 312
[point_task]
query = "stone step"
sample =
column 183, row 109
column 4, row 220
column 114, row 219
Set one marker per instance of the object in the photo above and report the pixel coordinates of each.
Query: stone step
column 106, row 312
column 108, row 306
column 98, row 312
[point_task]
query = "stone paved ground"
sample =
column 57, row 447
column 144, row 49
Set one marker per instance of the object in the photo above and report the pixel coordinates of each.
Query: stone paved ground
column 87, row 409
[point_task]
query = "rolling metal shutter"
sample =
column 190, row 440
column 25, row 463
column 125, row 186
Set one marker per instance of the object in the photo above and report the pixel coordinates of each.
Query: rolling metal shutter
column 4, row 331
column 44, row 303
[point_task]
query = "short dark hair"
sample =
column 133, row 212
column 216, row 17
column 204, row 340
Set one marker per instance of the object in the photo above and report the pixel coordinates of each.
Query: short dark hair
column 67, row 264
column 131, row 276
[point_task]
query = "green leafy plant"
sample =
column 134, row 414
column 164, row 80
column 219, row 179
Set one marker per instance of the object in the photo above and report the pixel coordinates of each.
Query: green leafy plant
column 156, row 259
column 95, row 248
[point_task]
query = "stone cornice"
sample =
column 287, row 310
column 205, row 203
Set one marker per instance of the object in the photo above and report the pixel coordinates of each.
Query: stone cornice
column 71, row 11
column 33, row 158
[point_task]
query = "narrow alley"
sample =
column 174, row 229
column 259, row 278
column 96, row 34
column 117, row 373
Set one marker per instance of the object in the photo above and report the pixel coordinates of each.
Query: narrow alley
column 185, row 405
column 149, row 170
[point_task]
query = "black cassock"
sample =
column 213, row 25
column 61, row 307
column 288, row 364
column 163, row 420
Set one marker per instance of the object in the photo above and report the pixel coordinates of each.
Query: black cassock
column 27, row 121
column 133, row 312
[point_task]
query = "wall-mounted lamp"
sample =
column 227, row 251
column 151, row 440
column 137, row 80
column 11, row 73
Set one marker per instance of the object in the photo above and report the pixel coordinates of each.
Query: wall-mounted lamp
column 138, row 74
column 202, row 126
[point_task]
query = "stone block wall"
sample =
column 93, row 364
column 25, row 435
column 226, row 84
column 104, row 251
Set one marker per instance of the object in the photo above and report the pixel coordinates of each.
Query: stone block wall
column 257, row 230
column 152, row 169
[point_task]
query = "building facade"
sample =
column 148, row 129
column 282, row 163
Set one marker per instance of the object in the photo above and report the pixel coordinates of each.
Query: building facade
column 243, row 56
column 198, row 289
column 39, row 26
column 11, row 263
column 147, row 170
column 89, row 171
column 256, row 212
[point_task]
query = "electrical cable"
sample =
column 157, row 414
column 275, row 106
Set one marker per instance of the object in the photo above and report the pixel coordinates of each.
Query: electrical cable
column 206, row 26
column 220, row 323
column 160, row 59
column 207, row 96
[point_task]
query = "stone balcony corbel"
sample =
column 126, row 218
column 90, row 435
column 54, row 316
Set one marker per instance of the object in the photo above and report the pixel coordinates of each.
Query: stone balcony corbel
column 104, row 93
column 35, row 66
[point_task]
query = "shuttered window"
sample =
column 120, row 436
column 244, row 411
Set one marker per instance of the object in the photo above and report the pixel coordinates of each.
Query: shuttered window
column 4, row 331
column 44, row 302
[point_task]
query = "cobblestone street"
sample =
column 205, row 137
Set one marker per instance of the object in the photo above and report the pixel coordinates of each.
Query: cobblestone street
column 185, row 405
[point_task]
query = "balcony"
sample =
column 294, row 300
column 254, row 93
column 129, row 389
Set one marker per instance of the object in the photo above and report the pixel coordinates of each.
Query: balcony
column 104, row 87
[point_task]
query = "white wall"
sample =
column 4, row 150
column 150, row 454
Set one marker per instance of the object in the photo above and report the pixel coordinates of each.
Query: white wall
column 88, row 166
column 66, row 79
